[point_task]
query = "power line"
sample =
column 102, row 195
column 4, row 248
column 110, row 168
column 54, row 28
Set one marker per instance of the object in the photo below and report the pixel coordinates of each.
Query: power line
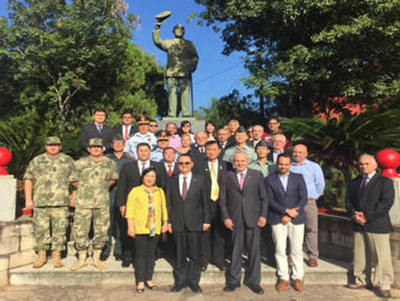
column 216, row 74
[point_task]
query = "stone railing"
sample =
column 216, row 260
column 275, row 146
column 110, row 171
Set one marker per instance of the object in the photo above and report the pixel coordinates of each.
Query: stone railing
column 16, row 246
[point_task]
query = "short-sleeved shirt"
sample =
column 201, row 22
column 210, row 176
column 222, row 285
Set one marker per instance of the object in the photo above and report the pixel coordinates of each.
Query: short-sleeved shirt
column 230, row 153
column 132, row 142
column 93, row 182
column 265, row 169
column 51, row 177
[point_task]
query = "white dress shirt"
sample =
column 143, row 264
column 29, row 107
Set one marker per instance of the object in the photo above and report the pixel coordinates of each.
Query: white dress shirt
column 140, row 165
column 188, row 179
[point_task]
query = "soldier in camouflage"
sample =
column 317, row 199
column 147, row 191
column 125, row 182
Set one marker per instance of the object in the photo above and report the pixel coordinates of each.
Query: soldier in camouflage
column 48, row 176
column 96, row 174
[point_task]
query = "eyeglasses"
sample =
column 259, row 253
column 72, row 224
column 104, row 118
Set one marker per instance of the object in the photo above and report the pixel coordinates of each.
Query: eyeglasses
column 273, row 123
column 153, row 125
column 184, row 163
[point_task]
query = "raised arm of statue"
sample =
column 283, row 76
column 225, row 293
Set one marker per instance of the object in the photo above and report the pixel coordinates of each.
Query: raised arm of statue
column 157, row 39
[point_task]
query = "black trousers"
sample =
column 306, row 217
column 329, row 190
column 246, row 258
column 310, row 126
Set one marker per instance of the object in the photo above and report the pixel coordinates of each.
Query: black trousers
column 188, row 246
column 213, row 240
column 127, row 242
column 145, row 256
column 245, row 239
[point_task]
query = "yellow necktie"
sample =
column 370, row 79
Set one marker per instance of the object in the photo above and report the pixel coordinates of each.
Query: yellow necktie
column 214, row 184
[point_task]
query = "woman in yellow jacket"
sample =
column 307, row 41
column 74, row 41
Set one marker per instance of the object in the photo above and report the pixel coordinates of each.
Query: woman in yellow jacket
column 147, row 217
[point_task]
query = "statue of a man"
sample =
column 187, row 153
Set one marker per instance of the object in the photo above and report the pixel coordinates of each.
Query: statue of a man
column 182, row 61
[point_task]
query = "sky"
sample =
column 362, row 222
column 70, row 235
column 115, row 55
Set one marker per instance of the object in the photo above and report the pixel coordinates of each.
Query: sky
column 216, row 75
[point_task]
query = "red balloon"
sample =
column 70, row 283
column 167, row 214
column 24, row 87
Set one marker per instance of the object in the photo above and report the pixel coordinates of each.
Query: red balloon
column 5, row 159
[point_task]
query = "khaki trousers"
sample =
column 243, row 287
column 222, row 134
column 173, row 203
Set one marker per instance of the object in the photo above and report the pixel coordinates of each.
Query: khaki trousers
column 372, row 258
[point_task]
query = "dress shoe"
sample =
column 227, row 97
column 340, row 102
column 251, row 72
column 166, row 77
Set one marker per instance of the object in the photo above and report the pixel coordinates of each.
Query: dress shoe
column 195, row 288
column 298, row 285
column 176, row 288
column 256, row 289
column 229, row 288
column 355, row 285
column 385, row 293
column 118, row 258
column 282, row 285
column 103, row 257
column 220, row 266
column 313, row 262
column 125, row 264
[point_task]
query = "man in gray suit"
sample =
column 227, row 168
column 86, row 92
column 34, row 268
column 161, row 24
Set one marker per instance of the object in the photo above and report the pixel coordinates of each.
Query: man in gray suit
column 287, row 196
column 244, row 209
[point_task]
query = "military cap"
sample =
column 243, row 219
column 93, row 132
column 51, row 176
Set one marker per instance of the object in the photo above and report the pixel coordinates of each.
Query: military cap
column 163, row 135
column 95, row 142
column 262, row 143
column 53, row 140
column 143, row 119
column 241, row 129
column 118, row 137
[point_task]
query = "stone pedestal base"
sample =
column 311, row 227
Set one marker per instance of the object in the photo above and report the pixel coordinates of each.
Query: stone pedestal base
column 8, row 190
column 395, row 210
column 197, row 125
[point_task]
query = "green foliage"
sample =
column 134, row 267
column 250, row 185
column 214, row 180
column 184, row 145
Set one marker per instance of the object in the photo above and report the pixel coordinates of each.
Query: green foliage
column 232, row 106
column 339, row 143
column 306, row 52
column 24, row 136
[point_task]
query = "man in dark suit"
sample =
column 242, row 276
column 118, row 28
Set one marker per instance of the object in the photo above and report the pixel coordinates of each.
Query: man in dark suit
column 198, row 151
column 169, row 162
column 128, row 179
column 244, row 209
column 96, row 130
column 258, row 131
column 213, row 240
column 369, row 198
column 287, row 196
column 189, row 216
column 278, row 147
column 126, row 129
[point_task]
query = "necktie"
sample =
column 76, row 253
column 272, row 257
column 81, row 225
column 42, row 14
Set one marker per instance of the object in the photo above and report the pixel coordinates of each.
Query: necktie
column 364, row 182
column 143, row 165
column 184, row 188
column 241, row 180
column 169, row 170
column 214, row 184
column 99, row 129
column 126, row 133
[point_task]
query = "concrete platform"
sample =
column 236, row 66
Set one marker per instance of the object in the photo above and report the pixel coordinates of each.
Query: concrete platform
column 328, row 272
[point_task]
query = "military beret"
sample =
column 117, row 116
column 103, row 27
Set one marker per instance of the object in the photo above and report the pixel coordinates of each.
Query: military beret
column 118, row 137
column 53, row 140
column 163, row 135
column 95, row 142
column 241, row 129
column 143, row 119
column 262, row 143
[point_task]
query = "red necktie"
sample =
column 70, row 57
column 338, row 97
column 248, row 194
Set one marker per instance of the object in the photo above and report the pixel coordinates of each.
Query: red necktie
column 241, row 180
column 184, row 188
column 169, row 170
column 126, row 133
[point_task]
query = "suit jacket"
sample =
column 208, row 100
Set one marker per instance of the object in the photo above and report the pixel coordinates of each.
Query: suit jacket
column 90, row 131
column 129, row 178
column 192, row 212
column 280, row 200
column 270, row 156
column 198, row 159
column 375, row 200
column 223, row 167
column 132, row 131
column 245, row 206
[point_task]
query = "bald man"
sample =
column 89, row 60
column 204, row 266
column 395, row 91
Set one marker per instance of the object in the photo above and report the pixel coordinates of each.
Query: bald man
column 369, row 198
column 315, row 184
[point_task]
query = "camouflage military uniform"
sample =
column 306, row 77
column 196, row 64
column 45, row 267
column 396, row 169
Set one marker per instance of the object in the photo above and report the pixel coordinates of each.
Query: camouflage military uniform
column 92, row 201
column 51, row 178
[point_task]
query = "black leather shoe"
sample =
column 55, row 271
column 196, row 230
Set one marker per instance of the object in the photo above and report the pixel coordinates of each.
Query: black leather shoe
column 103, row 257
column 229, row 288
column 176, row 288
column 195, row 288
column 256, row 289
column 125, row 264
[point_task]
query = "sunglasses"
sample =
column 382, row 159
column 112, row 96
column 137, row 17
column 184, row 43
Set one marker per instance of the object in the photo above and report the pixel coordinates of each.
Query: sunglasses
column 184, row 163
column 153, row 125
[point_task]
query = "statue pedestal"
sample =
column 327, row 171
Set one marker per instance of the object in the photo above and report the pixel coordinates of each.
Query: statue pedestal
column 8, row 190
column 197, row 125
column 395, row 210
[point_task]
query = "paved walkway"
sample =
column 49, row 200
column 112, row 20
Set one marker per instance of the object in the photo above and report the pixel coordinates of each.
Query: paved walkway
column 210, row 292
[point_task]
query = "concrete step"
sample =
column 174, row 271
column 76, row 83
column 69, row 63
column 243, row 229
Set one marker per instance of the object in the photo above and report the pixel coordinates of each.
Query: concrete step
column 327, row 272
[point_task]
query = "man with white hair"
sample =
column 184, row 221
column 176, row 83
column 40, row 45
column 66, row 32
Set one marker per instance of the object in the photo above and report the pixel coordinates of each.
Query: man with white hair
column 278, row 147
column 369, row 198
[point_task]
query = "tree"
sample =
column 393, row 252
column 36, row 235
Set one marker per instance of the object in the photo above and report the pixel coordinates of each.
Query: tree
column 232, row 106
column 315, row 50
column 68, row 57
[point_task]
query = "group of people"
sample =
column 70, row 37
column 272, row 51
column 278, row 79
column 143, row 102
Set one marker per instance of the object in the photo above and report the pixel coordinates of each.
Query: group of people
column 199, row 199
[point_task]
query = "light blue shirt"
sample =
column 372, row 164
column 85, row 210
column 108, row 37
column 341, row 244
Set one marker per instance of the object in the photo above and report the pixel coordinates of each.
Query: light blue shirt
column 284, row 181
column 313, row 176
column 132, row 142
